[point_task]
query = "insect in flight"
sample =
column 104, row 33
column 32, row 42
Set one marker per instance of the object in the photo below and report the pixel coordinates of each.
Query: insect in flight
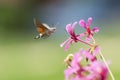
column 43, row 29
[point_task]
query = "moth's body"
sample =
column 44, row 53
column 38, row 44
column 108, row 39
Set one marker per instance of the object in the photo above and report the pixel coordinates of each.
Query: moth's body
column 44, row 30
column 46, row 34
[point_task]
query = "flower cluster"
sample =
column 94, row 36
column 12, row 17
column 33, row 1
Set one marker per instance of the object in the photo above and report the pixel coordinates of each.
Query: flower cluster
column 93, row 68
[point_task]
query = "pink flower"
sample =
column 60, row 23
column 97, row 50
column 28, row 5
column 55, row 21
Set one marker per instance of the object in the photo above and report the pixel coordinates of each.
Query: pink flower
column 91, row 54
column 75, row 70
column 73, row 36
column 88, row 32
column 98, row 71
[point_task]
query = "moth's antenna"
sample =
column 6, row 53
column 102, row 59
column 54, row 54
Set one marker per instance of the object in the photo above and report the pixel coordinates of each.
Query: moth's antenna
column 63, row 29
column 56, row 24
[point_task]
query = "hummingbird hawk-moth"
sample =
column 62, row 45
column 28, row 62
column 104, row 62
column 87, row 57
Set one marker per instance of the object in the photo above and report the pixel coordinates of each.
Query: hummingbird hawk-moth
column 43, row 29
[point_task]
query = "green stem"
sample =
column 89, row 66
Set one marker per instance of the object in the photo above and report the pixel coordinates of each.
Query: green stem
column 113, row 78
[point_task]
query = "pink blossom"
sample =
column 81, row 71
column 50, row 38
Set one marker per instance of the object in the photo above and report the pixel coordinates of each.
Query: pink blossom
column 91, row 54
column 93, row 69
column 88, row 32
column 73, row 37
column 98, row 71
column 75, row 70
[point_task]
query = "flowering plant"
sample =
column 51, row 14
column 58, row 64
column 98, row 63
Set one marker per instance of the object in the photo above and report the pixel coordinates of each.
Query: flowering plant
column 93, row 68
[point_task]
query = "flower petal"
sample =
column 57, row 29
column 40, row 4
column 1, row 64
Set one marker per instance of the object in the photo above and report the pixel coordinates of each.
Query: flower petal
column 82, row 23
column 68, row 44
column 80, row 36
column 73, row 26
column 69, row 29
column 95, row 29
column 61, row 45
column 89, row 22
column 87, row 55
column 96, row 51
column 68, row 73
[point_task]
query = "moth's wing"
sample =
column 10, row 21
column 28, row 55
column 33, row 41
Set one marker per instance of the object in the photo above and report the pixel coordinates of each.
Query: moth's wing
column 40, row 27
column 48, row 27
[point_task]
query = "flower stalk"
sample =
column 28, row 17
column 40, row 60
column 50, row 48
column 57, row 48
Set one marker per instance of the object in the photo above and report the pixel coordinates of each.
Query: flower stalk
column 110, row 72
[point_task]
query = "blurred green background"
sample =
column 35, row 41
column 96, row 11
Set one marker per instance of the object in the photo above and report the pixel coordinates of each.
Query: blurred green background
column 23, row 58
